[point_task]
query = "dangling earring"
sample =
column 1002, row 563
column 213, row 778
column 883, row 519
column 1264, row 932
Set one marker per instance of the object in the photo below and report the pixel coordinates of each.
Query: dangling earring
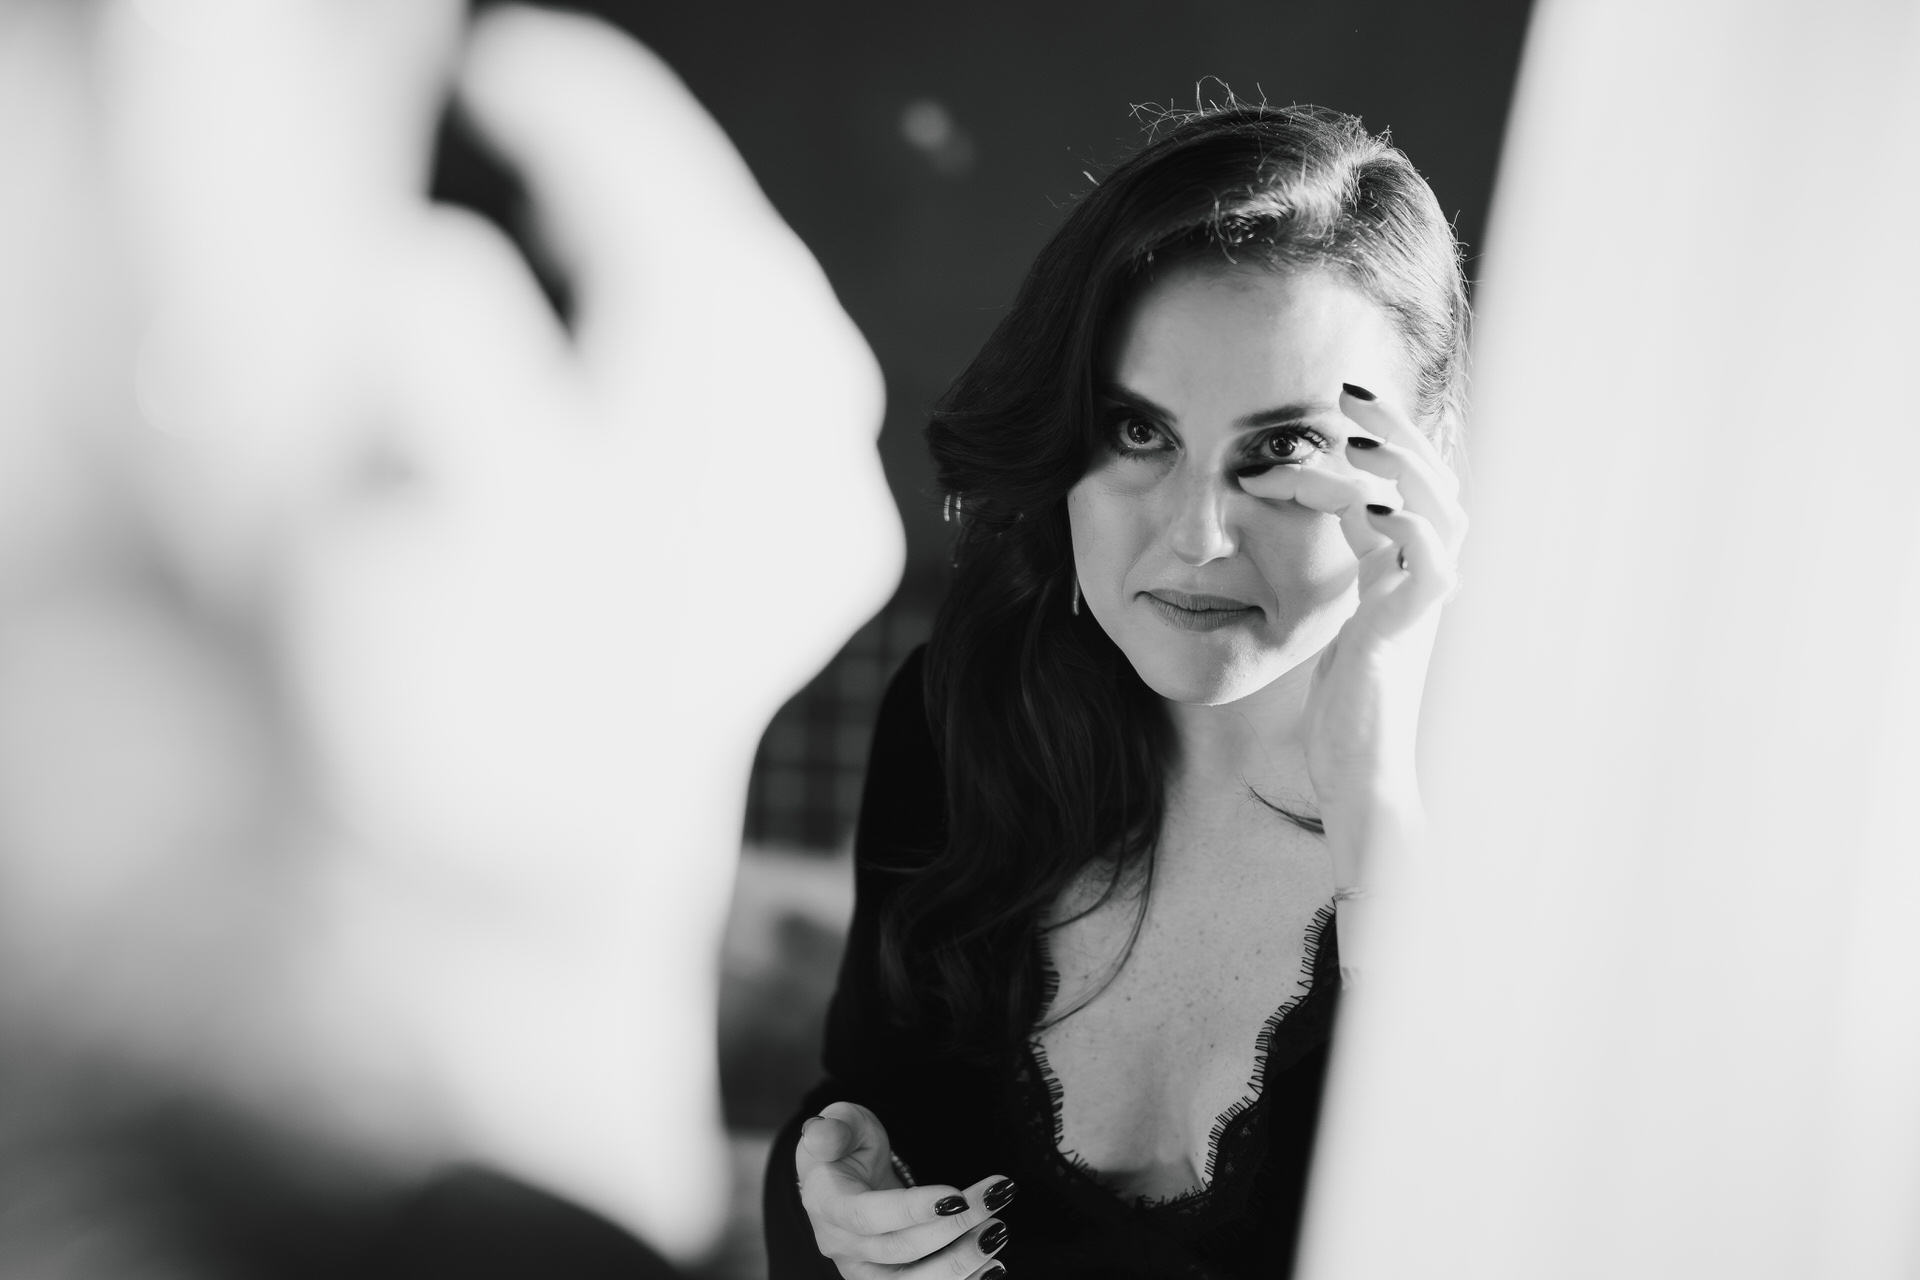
column 1076, row 595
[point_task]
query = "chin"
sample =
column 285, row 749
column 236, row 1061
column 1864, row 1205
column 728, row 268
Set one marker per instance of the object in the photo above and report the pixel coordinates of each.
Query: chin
column 1206, row 674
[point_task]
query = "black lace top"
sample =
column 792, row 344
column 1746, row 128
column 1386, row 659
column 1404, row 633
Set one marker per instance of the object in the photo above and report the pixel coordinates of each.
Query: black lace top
column 955, row 1122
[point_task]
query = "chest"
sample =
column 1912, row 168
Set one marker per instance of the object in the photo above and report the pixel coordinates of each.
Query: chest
column 1167, row 989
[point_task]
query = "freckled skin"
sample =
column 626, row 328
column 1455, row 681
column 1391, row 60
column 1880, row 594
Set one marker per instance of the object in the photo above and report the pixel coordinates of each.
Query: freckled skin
column 1148, row 1066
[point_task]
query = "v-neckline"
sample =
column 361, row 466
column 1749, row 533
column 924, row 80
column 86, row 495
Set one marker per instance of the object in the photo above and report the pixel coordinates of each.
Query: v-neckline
column 1287, row 1035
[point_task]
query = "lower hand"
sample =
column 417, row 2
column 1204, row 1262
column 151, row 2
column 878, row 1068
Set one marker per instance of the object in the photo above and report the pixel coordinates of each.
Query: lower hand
column 872, row 1225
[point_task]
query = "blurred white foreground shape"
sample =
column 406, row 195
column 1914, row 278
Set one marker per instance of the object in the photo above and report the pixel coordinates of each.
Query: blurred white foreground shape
column 1655, row 1010
column 510, row 606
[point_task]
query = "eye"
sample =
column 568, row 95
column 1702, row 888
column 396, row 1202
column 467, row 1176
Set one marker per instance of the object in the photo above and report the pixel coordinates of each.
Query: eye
column 1280, row 446
column 1133, row 436
column 1289, row 444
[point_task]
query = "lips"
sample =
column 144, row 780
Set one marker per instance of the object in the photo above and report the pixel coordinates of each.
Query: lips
column 1190, row 612
column 1198, row 603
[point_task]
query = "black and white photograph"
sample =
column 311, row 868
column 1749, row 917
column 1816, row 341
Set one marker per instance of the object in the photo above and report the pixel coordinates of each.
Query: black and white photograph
column 837, row 640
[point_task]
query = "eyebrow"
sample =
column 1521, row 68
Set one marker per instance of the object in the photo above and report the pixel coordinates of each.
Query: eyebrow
column 1283, row 413
column 1247, row 422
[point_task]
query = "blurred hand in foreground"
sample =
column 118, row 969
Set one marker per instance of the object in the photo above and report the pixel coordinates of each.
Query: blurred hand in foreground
column 515, row 603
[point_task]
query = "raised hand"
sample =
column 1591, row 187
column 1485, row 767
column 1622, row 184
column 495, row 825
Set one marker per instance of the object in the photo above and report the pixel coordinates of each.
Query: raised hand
column 1404, row 581
column 1399, row 509
column 872, row 1225
column 530, row 596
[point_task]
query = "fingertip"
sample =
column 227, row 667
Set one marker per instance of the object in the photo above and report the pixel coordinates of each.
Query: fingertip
column 848, row 1114
column 619, row 156
column 824, row 1136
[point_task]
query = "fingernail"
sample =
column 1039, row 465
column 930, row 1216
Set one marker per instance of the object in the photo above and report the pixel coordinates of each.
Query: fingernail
column 1358, row 393
column 998, row 1194
column 1379, row 509
column 997, row 1269
column 1362, row 442
column 993, row 1237
column 950, row 1206
column 807, row 1128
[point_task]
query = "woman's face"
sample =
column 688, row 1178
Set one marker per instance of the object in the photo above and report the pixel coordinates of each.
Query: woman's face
column 1211, row 592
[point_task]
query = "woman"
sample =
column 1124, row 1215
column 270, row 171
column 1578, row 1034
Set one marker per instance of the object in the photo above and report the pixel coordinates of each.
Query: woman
column 1163, row 729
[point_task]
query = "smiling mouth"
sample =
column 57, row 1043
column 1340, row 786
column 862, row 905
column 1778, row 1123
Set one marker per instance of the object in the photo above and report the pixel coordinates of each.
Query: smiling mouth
column 1199, row 612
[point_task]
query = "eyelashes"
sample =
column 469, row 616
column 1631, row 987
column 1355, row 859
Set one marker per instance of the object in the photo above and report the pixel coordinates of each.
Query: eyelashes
column 1281, row 446
column 1132, row 436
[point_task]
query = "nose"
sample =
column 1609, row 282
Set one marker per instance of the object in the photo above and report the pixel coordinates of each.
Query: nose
column 1199, row 530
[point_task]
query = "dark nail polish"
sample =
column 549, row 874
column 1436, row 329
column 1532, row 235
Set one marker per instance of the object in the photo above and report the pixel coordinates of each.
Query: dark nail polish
column 1358, row 393
column 1362, row 442
column 998, row 1194
column 1379, row 510
column 997, row 1269
column 950, row 1206
column 993, row 1237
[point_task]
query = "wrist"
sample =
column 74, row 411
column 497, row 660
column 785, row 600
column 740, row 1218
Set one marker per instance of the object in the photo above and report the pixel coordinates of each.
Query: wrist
column 1367, row 833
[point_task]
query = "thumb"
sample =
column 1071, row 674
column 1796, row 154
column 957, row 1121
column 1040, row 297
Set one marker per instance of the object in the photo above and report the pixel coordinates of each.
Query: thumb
column 825, row 1139
column 637, row 188
column 679, row 262
column 849, row 1137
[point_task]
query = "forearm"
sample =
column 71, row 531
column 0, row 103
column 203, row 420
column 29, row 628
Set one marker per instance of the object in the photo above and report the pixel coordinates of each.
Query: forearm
column 1368, row 842
column 1373, row 834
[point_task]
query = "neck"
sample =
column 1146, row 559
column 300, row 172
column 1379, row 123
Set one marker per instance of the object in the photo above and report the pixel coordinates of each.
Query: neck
column 1257, row 740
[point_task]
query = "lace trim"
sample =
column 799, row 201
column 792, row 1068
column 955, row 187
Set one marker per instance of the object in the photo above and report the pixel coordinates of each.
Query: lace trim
column 1242, row 1114
column 1056, row 1095
column 1263, row 1043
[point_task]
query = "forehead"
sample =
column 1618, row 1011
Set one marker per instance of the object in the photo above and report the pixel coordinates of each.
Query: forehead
column 1248, row 336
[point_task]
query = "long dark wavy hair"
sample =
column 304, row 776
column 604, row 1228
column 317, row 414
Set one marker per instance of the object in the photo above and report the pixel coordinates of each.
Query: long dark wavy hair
column 1054, row 750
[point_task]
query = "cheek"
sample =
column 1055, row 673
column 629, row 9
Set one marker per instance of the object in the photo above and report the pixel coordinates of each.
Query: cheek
column 1306, row 561
column 1108, row 529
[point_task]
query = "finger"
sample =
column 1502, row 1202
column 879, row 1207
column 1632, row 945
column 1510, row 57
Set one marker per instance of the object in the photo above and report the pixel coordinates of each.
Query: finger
column 1426, row 574
column 1341, row 494
column 937, row 1214
column 1320, row 488
column 624, row 160
column 1421, row 489
column 678, row 262
column 1382, row 562
column 823, row 1139
column 877, row 1215
column 1364, row 408
column 842, row 1153
column 971, row 1254
column 958, row 1212
column 851, row 1132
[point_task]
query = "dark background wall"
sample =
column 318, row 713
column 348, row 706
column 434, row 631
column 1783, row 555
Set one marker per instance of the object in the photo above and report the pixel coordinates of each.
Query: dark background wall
column 924, row 150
